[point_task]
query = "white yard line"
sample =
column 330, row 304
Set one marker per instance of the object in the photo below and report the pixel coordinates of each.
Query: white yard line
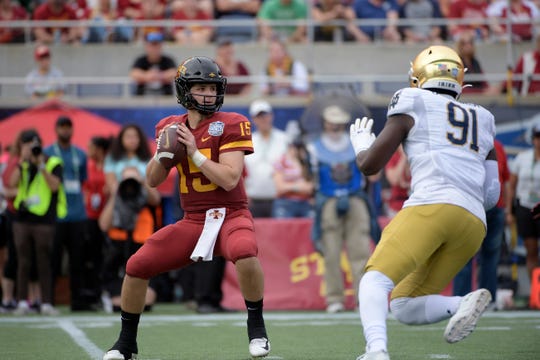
column 80, row 338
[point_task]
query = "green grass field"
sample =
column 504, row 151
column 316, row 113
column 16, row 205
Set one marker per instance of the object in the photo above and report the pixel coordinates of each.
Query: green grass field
column 172, row 332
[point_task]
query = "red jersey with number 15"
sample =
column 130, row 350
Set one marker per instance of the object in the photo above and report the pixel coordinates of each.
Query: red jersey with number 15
column 222, row 132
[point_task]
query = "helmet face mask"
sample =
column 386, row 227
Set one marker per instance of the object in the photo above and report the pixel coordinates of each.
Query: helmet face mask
column 199, row 70
column 438, row 68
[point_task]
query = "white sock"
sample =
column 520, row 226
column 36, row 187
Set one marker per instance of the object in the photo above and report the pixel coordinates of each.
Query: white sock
column 373, row 302
column 427, row 309
column 440, row 307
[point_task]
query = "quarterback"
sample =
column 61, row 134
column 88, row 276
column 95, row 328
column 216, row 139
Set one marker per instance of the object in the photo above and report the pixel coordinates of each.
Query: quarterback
column 217, row 221
column 449, row 146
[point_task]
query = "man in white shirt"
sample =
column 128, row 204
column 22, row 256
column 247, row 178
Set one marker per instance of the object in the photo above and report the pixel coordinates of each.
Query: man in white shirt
column 45, row 80
column 269, row 144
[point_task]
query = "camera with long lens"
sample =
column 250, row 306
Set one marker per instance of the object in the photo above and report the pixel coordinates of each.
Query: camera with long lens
column 36, row 147
column 130, row 199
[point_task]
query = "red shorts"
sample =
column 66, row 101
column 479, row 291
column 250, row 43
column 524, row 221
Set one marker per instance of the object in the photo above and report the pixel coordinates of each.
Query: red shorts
column 170, row 247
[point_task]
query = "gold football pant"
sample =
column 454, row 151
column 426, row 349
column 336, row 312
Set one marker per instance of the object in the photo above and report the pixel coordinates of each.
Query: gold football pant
column 424, row 247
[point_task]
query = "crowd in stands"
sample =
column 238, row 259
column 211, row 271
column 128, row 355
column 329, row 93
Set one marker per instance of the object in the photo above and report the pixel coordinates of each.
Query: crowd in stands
column 192, row 21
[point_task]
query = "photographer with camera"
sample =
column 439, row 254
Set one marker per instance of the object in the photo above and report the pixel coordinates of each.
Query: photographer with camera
column 40, row 200
column 129, row 217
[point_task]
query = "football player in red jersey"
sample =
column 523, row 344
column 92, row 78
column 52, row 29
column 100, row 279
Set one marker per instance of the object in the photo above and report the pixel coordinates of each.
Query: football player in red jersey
column 213, row 199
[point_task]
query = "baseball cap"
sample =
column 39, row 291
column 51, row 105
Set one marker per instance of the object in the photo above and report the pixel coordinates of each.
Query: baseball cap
column 335, row 115
column 536, row 130
column 259, row 106
column 63, row 121
column 154, row 37
column 41, row 52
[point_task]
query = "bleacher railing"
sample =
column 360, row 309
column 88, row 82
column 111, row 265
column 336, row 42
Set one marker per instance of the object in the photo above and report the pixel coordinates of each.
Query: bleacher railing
column 367, row 80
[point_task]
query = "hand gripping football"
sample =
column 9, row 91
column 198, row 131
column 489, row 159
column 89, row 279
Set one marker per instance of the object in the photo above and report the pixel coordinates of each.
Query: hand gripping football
column 169, row 150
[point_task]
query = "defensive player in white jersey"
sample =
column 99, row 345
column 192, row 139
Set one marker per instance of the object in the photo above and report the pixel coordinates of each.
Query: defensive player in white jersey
column 449, row 146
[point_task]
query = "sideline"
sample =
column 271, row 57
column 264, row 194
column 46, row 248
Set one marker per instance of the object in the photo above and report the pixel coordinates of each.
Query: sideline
column 269, row 315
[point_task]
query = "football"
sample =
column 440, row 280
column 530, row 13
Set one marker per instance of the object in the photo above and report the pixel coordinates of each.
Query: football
column 169, row 150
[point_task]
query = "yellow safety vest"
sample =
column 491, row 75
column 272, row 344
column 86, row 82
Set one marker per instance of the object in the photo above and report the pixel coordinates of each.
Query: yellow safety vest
column 36, row 194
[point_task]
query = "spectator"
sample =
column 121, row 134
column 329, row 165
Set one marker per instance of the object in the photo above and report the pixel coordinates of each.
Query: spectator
column 282, row 10
column 130, row 9
column 95, row 197
column 129, row 152
column 378, row 9
column 285, row 76
column 232, row 67
column 56, row 10
column 151, row 10
column 82, row 12
column 196, row 33
column 206, row 5
column 270, row 143
column 524, row 11
column 153, row 72
column 423, row 31
column 81, row 8
column 398, row 174
column 329, row 11
column 342, row 216
column 29, row 5
column 8, row 269
column 44, row 81
column 444, row 5
column 474, row 11
column 294, row 183
column 38, row 177
column 129, row 149
column 528, row 65
column 466, row 50
column 10, row 11
column 102, row 12
column 129, row 217
column 488, row 256
column 523, row 194
column 71, row 229
column 238, row 11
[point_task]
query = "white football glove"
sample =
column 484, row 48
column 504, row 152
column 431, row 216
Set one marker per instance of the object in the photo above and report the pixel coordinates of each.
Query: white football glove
column 361, row 135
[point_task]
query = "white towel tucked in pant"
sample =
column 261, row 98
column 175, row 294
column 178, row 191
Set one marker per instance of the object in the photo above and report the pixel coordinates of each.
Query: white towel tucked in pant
column 205, row 245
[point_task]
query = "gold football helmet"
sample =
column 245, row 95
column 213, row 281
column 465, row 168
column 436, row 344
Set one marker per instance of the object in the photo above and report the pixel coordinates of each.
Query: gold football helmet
column 437, row 67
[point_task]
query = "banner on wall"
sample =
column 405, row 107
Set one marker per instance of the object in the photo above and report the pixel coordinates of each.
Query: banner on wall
column 293, row 270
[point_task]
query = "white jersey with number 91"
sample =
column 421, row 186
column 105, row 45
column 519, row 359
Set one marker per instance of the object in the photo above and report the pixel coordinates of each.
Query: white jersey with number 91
column 446, row 148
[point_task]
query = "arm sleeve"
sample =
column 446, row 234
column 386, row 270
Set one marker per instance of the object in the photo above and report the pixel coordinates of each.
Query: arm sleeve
column 492, row 187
